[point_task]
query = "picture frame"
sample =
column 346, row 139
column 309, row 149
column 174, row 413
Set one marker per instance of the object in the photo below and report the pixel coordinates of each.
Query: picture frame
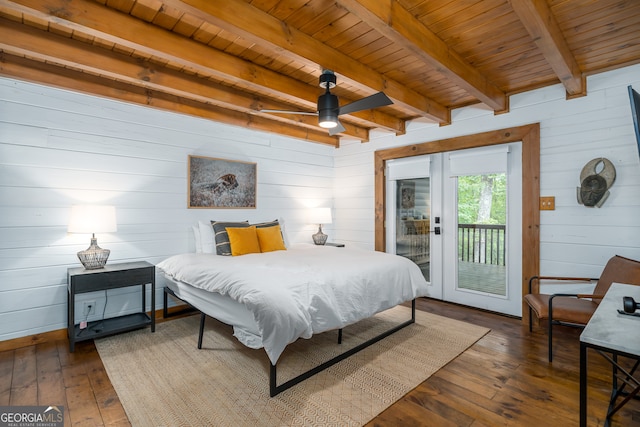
column 408, row 195
column 215, row 183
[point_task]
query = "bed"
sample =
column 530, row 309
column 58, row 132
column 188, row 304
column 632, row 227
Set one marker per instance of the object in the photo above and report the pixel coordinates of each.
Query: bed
column 274, row 298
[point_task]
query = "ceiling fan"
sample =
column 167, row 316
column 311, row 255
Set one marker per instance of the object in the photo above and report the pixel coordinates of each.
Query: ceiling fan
column 329, row 109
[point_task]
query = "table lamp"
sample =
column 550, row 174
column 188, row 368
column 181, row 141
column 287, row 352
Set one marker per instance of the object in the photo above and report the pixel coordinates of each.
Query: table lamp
column 93, row 219
column 320, row 216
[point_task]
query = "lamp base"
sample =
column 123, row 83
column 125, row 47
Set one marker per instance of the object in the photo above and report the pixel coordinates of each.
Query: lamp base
column 319, row 238
column 94, row 256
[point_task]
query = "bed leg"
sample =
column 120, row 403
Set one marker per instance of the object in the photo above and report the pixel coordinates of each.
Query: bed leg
column 273, row 388
column 165, row 303
column 340, row 336
column 201, row 333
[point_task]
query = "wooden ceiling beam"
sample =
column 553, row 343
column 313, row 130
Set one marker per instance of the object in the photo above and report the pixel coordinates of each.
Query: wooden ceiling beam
column 397, row 24
column 543, row 28
column 92, row 20
column 23, row 40
column 65, row 78
column 259, row 27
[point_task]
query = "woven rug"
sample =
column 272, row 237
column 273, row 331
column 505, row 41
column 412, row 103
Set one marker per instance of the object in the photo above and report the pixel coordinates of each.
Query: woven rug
column 162, row 379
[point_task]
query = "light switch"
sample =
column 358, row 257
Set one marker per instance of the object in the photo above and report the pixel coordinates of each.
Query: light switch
column 548, row 203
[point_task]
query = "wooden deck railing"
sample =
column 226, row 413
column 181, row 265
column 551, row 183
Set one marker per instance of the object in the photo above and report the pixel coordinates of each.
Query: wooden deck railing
column 482, row 243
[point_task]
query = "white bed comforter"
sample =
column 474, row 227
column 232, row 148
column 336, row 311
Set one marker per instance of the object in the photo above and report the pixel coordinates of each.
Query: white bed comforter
column 304, row 290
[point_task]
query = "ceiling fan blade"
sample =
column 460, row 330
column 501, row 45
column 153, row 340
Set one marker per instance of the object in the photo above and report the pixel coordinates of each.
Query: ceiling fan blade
column 336, row 130
column 306, row 113
column 374, row 101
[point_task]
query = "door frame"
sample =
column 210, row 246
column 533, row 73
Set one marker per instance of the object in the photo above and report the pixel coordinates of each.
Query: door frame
column 530, row 137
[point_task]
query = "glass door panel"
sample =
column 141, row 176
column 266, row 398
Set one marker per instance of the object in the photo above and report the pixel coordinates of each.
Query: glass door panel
column 481, row 239
column 413, row 218
column 483, row 246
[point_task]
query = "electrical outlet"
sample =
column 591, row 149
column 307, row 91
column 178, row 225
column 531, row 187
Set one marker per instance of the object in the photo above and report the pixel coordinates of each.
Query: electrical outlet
column 89, row 308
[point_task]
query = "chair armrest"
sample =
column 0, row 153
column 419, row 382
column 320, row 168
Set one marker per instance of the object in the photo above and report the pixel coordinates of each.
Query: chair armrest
column 576, row 279
column 577, row 296
column 592, row 296
column 552, row 296
column 560, row 278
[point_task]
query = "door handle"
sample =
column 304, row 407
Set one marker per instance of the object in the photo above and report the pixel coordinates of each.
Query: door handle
column 436, row 230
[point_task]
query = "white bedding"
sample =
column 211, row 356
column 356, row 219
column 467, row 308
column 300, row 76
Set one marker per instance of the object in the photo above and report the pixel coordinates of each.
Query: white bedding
column 222, row 308
column 304, row 290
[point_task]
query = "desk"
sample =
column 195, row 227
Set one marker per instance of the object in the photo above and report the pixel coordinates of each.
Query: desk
column 618, row 334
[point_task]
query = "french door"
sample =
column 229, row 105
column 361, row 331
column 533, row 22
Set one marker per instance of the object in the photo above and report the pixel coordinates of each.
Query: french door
column 414, row 214
column 457, row 215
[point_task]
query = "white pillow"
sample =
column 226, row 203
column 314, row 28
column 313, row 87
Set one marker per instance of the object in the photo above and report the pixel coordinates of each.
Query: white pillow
column 207, row 240
column 196, row 235
column 283, row 229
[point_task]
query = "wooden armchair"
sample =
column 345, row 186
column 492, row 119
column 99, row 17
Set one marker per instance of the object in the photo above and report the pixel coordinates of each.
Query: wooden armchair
column 576, row 309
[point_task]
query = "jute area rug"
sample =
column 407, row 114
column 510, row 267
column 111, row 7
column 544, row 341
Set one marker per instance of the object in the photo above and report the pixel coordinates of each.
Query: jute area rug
column 162, row 379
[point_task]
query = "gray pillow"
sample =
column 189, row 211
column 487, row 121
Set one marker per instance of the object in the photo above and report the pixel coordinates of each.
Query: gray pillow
column 223, row 247
column 266, row 224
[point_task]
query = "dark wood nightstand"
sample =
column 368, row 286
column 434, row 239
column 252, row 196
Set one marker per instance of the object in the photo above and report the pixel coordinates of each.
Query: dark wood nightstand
column 80, row 280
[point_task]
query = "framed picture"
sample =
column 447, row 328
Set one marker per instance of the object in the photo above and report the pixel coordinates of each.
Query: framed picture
column 408, row 194
column 219, row 183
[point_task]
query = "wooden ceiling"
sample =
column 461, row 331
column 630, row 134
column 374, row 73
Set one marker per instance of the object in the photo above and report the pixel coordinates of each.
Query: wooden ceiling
column 226, row 60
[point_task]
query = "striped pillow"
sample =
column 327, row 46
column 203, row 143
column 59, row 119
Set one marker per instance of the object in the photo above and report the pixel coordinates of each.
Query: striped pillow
column 223, row 247
column 266, row 224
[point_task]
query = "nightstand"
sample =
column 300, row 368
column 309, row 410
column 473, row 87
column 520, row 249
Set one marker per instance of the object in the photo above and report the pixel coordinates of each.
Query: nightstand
column 112, row 276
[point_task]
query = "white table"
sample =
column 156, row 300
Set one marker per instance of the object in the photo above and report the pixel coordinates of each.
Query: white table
column 609, row 332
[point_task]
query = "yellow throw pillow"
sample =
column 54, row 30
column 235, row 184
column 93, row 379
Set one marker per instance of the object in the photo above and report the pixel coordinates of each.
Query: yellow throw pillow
column 243, row 240
column 270, row 239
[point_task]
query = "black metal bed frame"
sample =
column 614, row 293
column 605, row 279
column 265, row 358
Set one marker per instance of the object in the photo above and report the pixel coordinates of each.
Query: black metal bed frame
column 274, row 388
column 165, row 305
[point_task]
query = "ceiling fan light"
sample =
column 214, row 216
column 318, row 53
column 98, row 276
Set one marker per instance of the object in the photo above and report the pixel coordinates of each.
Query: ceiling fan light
column 327, row 118
column 328, row 124
column 328, row 110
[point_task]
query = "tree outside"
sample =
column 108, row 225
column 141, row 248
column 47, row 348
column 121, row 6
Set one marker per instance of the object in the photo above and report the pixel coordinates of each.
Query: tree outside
column 482, row 199
column 482, row 203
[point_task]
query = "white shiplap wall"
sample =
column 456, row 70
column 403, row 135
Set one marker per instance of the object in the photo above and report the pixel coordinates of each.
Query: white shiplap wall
column 59, row 148
column 574, row 240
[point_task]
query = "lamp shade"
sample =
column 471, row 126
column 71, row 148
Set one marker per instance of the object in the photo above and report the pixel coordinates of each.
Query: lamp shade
column 92, row 219
column 320, row 216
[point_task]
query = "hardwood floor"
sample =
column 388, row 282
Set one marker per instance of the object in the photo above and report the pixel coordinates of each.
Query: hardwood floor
column 502, row 380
